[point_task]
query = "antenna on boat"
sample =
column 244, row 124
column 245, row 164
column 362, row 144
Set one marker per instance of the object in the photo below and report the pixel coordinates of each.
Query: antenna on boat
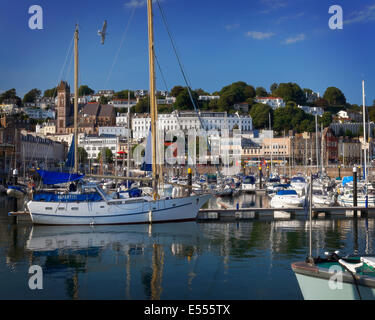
column 364, row 130
column 310, row 258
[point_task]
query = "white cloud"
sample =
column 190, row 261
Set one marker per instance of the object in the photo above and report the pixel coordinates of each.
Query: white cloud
column 232, row 26
column 259, row 35
column 286, row 18
column 272, row 5
column 138, row 3
column 366, row 15
column 135, row 3
column 295, row 39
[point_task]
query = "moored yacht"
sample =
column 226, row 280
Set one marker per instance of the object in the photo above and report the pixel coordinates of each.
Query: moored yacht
column 248, row 184
column 287, row 199
column 299, row 184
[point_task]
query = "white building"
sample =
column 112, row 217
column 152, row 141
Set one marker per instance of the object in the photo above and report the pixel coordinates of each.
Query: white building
column 122, row 119
column 93, row 144
column 274, row 102
column 67, row 138
column 106, row 93
column 167, row 100
column 190, row 120
column 37, row 113
column 208, row 98
column 312, row 110
column 119, row 131
column 123, row 103
column 8, row 108
column 46, row 128
column 40, row 150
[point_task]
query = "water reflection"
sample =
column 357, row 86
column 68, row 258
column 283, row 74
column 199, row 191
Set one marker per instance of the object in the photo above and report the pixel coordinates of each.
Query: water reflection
column 215, row 260
column 244, row 200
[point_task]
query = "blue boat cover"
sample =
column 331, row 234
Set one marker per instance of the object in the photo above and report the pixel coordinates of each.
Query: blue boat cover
column 54, row 177
column 345, row 180
column 286, row 192
column 282, row 185
column 298, row 179
column 52, row 197
column 134, row 192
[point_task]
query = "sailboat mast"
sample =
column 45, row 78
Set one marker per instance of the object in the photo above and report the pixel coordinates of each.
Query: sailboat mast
column 76, row 99
column 364, row 130
column 153, row 109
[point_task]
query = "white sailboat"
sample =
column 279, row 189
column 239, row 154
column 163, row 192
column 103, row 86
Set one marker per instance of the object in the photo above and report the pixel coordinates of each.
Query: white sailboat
column 90, row 205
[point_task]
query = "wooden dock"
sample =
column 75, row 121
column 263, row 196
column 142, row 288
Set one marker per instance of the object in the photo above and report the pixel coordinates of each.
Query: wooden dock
column 279, row 213
column 233, row 214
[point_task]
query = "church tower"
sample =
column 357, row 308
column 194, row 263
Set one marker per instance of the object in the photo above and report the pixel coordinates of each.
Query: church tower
column 63, row 107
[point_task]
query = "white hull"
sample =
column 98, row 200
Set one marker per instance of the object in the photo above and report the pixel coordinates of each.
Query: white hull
column 286, row 202
column 299, row 187
column 361, row 202
column 313, row 288
column 248, row 187
column 116, row 211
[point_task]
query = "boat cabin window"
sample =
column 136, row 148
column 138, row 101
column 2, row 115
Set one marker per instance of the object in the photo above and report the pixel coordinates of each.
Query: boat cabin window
column 249, row 179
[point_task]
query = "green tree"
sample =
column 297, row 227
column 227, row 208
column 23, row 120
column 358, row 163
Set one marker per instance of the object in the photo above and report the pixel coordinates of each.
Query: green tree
column 84, row 90
column 183, row 101
column 103, row 100
column 290, row 92
column 142, row 106
column 107, row 156
column 371, row 113
column 50, row 93
column 124, row 94
column 292, row 118
column 334, row 96
column 326, row 119
column 260, row 115
column 261, row 92
column 201, row 92
column 82, row 155
column 10, row 95
column 236, row 92
column 32, row 95
column 273, row 87
column 176, row 91
column 321, row 103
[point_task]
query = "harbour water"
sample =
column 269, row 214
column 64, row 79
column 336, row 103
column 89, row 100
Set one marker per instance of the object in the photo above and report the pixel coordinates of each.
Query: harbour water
column 243, row 260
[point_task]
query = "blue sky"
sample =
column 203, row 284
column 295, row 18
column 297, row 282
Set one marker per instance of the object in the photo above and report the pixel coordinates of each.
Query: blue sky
column 256, row 41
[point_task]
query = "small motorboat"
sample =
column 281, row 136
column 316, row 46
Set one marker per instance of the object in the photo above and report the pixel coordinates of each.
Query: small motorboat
column 248, row 184
column 287, row 199
column 336, row 278
column 322, row 199
column 299, row 184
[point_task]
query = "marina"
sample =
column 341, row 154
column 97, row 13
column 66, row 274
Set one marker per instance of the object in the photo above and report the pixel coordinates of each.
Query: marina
column 149, row 187
column 187, row 260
